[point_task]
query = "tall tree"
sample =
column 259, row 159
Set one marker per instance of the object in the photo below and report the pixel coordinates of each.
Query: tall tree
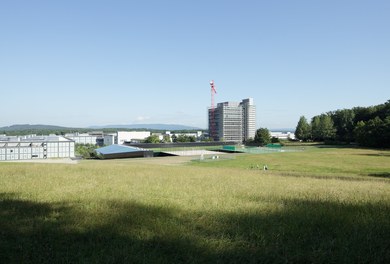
column 263, row 137
column 364, row 113
column 323, row 128
column 316, row 128
column 368, row 126
column 327, row 127
column 386, row 133
column 373, row 133
column 383, row 110
column 303, row 129
column 344, row 122
column 360, row 132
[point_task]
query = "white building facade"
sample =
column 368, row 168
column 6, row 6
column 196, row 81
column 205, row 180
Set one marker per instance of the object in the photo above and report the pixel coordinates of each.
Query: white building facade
column 100, row 138
column 233, row 121
column 83, row 138
column 109, row 139
column 248, row 119
column 129, row 136
column 283, row 135
column 36, row 147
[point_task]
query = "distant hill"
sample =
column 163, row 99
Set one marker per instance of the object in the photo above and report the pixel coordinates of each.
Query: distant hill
column 23, row 127
column 39, row 129
column 149, row 126
column 172, row 127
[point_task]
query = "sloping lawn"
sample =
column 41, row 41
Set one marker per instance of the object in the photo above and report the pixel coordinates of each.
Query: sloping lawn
column 321, row 205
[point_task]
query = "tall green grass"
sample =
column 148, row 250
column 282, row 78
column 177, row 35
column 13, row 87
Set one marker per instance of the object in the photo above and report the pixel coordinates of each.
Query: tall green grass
column 316, row 206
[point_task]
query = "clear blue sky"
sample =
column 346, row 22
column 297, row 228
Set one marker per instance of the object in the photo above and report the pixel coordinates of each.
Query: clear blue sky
column 81, row 63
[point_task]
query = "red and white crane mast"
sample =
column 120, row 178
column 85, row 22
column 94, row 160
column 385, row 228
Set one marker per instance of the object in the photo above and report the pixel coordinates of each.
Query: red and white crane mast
column 212, row 132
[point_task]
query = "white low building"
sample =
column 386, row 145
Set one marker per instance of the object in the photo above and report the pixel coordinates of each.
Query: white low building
column 129, row 136
column 283, row 135
column 83, row 138
column 101, row 138
column 197, row 134
column 35, row 147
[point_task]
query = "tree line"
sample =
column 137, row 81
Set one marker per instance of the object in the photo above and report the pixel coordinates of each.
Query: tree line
column 167, row 139
column 367, row 126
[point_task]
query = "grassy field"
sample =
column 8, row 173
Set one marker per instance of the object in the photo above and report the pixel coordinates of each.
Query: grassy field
column 319, row 205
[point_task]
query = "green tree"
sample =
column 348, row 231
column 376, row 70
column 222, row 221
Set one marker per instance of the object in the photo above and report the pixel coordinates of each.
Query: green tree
column 344, row 123
column 368, row 126
column 182, row 138
column 360, row 132
column 322, row 128
column 364, row 113
column 185, row 138
column 327, row 127
column 152, row 139
column 86, row 151
column 386, row 132
column 166, row 139
column 316, row 128
column 303, row 129
column 373, row 133
column 262, row 136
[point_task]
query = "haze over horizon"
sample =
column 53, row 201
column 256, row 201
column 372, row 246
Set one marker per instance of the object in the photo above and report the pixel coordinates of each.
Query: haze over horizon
column 85, row 63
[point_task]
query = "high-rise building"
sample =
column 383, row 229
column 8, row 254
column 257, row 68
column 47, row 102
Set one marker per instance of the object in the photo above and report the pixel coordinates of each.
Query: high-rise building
column 249, row 119
column 233, row 121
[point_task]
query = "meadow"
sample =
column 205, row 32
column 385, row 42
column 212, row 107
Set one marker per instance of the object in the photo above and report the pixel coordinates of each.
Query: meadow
column 317, row 205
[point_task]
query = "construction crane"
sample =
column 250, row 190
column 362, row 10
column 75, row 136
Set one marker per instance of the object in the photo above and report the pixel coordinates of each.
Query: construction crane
column 212, row 132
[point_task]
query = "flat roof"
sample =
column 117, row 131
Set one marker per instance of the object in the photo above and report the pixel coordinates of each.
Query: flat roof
column 16, row 139
column 114, row 149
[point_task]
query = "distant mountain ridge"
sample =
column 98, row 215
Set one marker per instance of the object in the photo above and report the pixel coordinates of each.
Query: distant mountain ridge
column 24, row 127
column 21, row 127
column 149, row 126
